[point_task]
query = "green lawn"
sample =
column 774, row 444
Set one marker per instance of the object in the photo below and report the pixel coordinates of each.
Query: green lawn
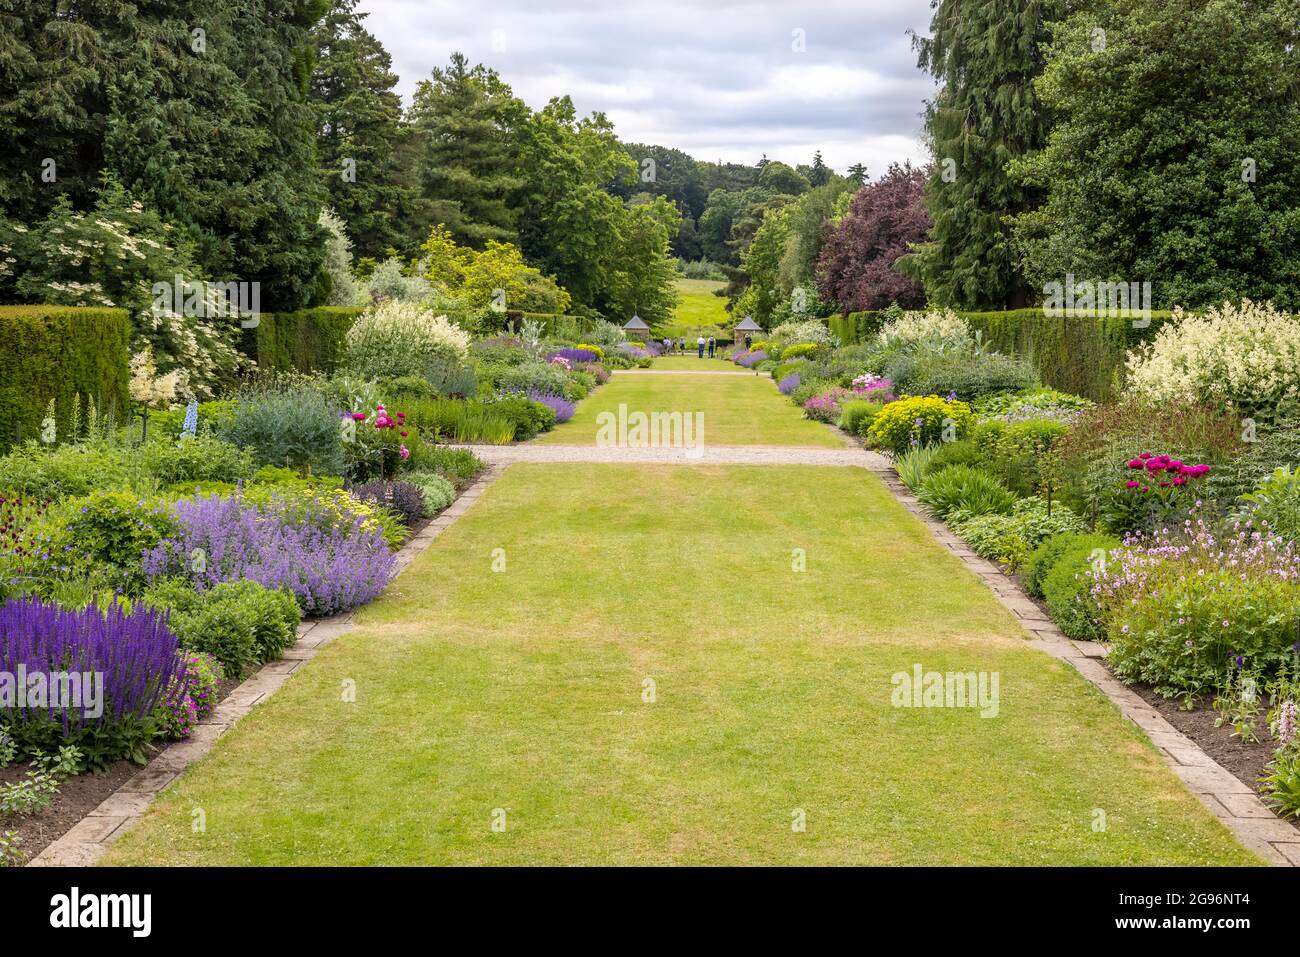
column 698, row 310
column 738, row 410
column 522, row 690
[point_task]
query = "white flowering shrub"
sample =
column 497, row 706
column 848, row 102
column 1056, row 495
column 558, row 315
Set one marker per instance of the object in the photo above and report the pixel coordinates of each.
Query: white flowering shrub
column 1244, row 355
column 114, row 256
column 812, row 331
column 934, row 328
column 147, row 386
column 402, row 338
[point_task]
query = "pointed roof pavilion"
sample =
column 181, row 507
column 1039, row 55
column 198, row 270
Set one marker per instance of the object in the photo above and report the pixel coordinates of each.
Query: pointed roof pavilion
column 749, row 325
column 635, row 324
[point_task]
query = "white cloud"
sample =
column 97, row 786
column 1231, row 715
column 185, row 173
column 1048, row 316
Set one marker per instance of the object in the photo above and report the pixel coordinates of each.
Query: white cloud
column 719, row 79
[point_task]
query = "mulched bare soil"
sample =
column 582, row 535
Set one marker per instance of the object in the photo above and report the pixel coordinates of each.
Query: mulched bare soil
column 1245, row 760
column 77, row 796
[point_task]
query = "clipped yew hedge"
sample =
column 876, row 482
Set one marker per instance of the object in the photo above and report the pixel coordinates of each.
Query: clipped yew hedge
column 58, row 352
column 309, row 340
column 1083, row 355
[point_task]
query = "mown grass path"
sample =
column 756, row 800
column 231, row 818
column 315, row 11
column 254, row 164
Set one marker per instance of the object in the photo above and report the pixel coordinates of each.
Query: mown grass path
column 647, row 664
column 735, row 410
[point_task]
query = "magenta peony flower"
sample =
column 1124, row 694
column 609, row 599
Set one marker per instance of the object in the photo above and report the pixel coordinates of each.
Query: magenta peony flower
column 404, row 452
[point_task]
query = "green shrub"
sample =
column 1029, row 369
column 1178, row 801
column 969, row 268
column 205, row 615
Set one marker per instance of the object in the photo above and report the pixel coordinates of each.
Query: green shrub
column 296, row 428
column 1049, row 552
column 239, row 623
column 1276, row 503
column 62, row 353
column 896, row 426
column 968, row 376
column 800, row 350
column 962, row 452
column 528, row 417
column 113, row 530
column 1067, row 590
column 961, row 487
column 856, row 415
column 66, row 470
column 1011, row 538
column 458, row 466
column 437, row 492
column 1015, row 452
column 543, row 376
column 199, row 458
column 407, row 387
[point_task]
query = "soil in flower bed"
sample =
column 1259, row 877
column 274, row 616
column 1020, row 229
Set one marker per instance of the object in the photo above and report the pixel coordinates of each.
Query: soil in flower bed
column 1244, row 759
column 77, row 796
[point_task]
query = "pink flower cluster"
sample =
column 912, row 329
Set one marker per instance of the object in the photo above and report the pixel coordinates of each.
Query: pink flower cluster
column 1154, row 465
column 384, row 421
column 1137, row 567
column 873, row 388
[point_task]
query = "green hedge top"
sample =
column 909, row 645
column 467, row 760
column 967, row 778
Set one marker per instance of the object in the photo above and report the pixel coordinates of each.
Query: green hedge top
column 59, row 352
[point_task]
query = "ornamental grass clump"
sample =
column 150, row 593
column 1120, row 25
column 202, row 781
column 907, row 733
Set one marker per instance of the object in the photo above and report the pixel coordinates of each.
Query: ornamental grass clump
column 135, row 653
column 329, row 569
column 1182, row 605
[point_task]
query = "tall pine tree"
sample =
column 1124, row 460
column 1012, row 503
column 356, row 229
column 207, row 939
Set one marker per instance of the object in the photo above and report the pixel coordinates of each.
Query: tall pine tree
column 985, row 54
column 198, row 108
column 359, row 132
column 462, row 118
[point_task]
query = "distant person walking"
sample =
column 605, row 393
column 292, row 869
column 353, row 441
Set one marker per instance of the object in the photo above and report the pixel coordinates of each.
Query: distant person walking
column 699, row 347
column 711, row 346
column 749, row 340
column 681, row 344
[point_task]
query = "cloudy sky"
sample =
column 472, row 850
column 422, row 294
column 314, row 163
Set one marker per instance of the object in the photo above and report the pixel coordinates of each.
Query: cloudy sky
column 720, row 79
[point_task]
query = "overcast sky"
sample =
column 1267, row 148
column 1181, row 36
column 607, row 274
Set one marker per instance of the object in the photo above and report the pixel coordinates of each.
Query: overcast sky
column 720, row 79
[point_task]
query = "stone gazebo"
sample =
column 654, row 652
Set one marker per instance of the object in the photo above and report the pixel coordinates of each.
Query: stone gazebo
column 636, row 329
column 746, row 327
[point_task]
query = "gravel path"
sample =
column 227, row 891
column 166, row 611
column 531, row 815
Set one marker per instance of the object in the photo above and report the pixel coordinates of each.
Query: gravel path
column 708, row 455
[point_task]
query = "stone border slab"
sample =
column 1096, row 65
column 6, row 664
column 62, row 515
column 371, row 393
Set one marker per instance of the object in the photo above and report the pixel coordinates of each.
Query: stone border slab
column 1235, row 804
column 86, row 841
